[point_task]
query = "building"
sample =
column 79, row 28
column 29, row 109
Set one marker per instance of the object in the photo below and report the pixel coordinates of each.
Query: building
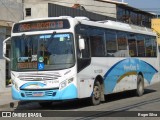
column 94, row 9
column 89, row 5
column 156, row 27
column 11, row 12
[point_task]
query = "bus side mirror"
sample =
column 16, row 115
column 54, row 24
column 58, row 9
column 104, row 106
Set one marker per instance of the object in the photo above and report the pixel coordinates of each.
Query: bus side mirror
column 4, row 48
column 81, row 44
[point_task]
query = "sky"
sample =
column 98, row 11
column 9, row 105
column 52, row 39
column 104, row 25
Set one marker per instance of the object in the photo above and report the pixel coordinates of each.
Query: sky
column 148, row 5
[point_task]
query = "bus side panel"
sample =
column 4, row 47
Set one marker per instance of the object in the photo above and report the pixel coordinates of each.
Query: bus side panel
column 126, row 83
column 85, row 83
column 123, row 75
column 98, row 67
column 154, row 63
column 120, row 74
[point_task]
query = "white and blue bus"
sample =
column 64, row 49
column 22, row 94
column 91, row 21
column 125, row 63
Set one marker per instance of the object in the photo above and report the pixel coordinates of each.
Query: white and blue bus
column 63, row 58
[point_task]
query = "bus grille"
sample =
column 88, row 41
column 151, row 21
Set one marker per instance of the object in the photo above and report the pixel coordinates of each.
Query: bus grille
column 46, row 93
column 38, row 77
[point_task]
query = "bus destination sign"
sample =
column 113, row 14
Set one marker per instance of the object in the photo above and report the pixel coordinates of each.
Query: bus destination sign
column 41, row 25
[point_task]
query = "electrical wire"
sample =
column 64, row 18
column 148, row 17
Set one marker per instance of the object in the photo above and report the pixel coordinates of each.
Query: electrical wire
column 9, row 10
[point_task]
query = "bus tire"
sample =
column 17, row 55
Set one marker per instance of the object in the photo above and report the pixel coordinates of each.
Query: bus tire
column 96, row 96
column 140, row 85
column 45, row 104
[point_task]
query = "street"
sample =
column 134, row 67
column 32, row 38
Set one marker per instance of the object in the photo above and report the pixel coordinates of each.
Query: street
column 121, row 102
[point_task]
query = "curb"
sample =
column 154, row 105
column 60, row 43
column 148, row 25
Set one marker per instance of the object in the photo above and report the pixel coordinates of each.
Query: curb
column 8, row 105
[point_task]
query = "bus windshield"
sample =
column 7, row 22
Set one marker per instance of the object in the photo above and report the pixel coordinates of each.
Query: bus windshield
column 42, row 52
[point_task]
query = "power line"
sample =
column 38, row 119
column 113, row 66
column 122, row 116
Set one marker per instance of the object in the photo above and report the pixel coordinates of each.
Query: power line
column 9, row 10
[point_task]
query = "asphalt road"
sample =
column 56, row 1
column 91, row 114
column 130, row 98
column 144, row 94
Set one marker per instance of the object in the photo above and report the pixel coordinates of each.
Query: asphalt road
column 124, row 104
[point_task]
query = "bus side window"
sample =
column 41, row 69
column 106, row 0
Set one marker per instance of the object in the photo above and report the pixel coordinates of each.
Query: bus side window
column 111, row 43
column 132, row 43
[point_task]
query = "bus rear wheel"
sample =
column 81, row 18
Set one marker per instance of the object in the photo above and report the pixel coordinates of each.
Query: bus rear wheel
column 96, row 97
column 140, row 85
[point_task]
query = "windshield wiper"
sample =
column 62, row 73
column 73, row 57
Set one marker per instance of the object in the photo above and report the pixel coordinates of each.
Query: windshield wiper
column 24, row 36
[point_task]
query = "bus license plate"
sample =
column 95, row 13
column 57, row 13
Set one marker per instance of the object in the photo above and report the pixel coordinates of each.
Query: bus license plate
column 38, row 94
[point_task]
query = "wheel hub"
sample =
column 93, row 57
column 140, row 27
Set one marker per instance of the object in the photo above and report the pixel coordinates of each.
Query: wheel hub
column 96, row 92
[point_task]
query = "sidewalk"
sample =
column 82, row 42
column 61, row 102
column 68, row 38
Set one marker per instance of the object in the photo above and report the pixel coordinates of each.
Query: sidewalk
column 6, row 98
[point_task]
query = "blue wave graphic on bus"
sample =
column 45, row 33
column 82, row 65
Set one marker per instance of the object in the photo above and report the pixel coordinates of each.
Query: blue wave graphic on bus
column 127, row 67
column 32, row 83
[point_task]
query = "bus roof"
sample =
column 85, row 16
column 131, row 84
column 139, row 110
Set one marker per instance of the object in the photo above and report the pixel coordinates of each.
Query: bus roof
column 119, row 26
column 103, row 24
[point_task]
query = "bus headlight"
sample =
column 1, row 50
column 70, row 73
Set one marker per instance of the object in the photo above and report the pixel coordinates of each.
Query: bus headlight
column 65, row 83
column 12, row 82
column 70, row 80
column 15, row 84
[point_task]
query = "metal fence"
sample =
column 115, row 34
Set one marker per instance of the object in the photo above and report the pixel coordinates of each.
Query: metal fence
column 57, row 10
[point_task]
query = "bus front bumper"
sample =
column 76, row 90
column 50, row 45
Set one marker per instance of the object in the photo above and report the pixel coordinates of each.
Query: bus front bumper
column 70, row 92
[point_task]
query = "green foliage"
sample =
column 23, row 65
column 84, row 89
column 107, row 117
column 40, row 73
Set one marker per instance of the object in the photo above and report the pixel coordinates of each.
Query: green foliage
column 8, row 81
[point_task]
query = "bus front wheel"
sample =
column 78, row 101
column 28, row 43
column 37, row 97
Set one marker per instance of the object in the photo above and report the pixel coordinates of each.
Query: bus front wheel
column 96, row 96
column 140, row 85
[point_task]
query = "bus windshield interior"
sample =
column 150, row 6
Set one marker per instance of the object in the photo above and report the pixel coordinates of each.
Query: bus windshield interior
column 42, row 52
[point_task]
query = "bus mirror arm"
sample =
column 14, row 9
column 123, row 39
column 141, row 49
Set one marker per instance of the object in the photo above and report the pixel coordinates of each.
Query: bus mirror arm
column 4, row 49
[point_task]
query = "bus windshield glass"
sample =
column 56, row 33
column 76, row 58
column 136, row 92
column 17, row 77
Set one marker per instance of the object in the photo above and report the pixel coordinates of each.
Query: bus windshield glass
column 42, row 52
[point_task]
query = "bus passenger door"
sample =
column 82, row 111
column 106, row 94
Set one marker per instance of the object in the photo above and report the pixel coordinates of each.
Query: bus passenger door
column 83, row 54
column 83, row 62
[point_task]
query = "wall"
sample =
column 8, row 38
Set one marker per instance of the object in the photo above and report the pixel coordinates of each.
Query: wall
column 102, row 8
column 55, row 10
column 39, row 8
column 11, row 10
column 2, row 61
column 2, row 75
